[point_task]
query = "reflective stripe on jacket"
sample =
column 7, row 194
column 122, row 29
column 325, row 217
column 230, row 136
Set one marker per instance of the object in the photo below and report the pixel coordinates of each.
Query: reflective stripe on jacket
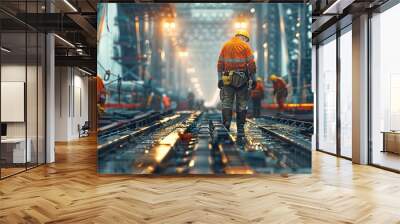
column 236, row 55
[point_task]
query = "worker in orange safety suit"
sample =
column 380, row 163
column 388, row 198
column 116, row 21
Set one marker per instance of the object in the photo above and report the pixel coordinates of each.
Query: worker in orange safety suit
column 280, row 91
column 257, row 95
column 236, row 76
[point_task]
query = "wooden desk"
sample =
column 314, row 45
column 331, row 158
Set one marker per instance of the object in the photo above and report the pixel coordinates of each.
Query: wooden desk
column 391, row 141
column 13, row 150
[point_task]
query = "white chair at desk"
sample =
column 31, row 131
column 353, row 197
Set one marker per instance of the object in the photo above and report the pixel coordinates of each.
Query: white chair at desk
column 19, row 149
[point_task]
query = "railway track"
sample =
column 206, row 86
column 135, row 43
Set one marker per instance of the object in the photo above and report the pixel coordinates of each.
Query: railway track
column 286, row 152
column 120, row 153
column 198, row 143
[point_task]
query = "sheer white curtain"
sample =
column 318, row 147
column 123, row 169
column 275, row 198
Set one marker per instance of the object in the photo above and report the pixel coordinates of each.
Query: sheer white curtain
column 327, row 96
column 346, row 93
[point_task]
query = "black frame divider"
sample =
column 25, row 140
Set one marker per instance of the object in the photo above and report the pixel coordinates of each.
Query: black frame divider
column 369, row 101
column 316, row 122
column 26, row 87
column 338, row 98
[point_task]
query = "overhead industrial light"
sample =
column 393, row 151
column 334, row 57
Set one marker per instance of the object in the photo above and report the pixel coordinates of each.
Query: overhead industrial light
column 191, row 70
column 162, row 55
column 240, row 25
column 79, row 51
column 70, row 5
column 5, row 50
column 65, row 41
column 183, row 54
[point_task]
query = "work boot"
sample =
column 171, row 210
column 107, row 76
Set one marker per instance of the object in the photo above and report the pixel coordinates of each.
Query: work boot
column 227, row 118
column 240, row 120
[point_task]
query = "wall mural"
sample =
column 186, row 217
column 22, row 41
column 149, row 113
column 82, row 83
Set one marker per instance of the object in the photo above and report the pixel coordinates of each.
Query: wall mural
column 204, row 88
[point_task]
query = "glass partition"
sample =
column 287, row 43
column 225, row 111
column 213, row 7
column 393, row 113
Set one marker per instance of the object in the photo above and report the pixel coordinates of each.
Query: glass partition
column 22, row 91
column 14, row 151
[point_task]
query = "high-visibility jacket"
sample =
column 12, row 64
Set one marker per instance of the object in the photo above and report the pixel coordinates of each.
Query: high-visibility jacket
column 166, row 101
column 258, row 92
column 236, row 55
column 279, row 84
column 280, row 88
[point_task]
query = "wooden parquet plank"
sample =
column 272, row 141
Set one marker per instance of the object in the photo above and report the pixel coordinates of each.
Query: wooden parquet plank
column 70, row 191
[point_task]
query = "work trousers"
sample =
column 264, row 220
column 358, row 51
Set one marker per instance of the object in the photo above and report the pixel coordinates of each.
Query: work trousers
column 228, row 95
column 256, row 107
column 281, row 95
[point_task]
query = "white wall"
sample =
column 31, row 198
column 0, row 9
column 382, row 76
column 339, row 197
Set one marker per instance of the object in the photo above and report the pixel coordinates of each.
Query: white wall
column 16, row 73
column 61, row 103
column 71, row 102
column 80, row 112
column 12, row 73
column 34, row 125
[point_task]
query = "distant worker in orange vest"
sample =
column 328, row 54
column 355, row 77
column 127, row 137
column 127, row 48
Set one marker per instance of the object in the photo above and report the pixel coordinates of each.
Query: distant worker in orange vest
column 154, row 101
column 236, row 75
column 280, row 91
column 166, row 102
column 101, row 95
column 257, row 95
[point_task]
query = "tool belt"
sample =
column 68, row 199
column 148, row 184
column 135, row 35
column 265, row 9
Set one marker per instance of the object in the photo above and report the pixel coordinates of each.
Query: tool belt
column 235, row 79
column 280, row 93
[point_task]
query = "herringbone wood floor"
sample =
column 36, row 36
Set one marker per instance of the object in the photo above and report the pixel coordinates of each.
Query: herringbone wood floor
column 70, row 191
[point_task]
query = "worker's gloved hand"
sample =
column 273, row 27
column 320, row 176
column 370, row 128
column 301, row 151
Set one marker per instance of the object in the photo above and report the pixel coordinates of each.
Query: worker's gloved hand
column 253, row 84
column 220, row 84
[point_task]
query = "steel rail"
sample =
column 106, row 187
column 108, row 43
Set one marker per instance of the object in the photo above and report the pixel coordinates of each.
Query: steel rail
column 282, row 136
column 137, row 132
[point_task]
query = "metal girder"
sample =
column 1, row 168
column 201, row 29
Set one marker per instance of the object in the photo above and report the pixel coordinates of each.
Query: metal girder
column 10, row 25
column 56, row 22
column 79, row 61
column 86, row 26
column 49, row 22
column 152, row 10
column 321, row 22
